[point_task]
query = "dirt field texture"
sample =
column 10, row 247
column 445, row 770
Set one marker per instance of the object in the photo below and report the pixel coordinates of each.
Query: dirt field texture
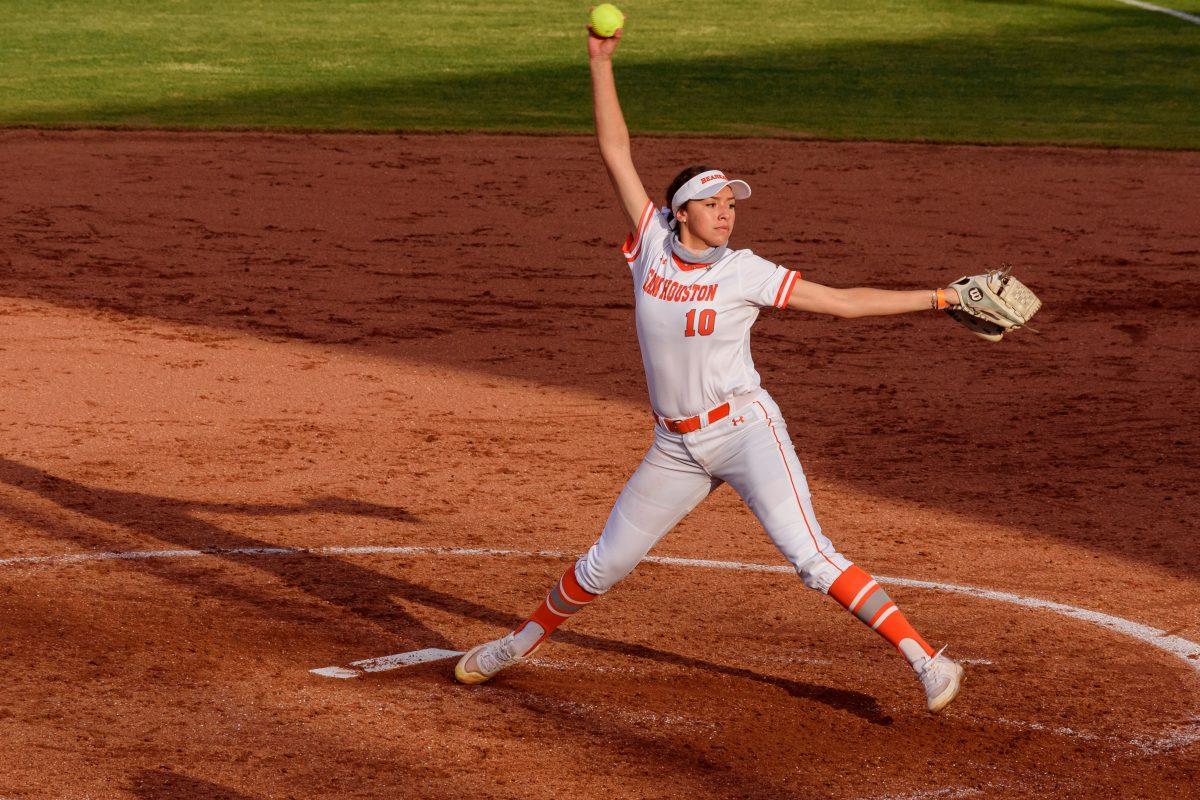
column 292, row 351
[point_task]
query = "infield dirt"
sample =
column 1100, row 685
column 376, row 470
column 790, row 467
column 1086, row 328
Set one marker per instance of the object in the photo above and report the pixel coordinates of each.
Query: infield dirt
column 244, row 340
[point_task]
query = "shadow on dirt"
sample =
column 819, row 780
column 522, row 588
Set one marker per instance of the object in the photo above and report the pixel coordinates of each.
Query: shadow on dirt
column 1082, row 434
column 355, row 589
column 165, row 784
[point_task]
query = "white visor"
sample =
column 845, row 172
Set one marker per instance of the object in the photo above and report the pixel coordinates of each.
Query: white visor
column 706, row 184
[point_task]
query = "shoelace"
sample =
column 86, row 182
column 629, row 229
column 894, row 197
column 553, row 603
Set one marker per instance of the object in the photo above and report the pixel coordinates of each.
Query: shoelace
column 493, row 659
column 929, row 672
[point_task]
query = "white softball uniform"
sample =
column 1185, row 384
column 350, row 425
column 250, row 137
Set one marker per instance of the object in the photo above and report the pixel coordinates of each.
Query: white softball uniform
column 693, row 321
column 693, row 324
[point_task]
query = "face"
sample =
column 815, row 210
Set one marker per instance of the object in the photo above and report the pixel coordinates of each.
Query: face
column 709, row 221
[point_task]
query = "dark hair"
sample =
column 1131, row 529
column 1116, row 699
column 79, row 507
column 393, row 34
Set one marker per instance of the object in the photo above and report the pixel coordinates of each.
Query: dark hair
column 682, row 178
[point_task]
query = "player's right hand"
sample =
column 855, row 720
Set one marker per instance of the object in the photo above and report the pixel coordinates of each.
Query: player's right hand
column 603, row 48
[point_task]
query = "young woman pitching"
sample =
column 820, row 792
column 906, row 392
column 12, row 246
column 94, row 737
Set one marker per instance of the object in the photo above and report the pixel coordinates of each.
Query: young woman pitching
column 695, row 302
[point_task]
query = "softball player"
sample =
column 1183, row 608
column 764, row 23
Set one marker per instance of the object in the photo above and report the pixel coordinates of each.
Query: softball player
column 695, row 301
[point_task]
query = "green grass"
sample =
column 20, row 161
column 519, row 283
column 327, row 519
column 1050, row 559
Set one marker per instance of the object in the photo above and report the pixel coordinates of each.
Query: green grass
column 1072, row 71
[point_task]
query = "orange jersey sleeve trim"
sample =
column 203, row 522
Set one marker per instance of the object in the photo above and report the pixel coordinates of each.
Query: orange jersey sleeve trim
column 628, row 247
column 785, row 289
column 633, row 243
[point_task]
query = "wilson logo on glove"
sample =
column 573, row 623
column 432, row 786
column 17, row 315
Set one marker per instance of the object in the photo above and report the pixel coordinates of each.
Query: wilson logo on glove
column 994, row 303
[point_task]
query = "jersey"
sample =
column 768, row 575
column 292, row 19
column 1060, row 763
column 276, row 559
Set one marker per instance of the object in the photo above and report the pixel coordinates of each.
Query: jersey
column 694, row 320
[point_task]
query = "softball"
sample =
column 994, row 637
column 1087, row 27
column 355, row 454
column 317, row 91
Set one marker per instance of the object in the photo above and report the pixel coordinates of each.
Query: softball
column 605, row 19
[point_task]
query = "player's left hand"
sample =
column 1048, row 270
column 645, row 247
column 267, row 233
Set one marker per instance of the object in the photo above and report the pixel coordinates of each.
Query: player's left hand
column 994, row 303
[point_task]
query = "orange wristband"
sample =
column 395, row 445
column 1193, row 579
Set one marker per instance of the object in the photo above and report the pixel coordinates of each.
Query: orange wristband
column 941, row 299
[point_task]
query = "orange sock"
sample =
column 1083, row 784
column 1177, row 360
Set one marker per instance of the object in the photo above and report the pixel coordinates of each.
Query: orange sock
column 566, row 598
column 864, row 598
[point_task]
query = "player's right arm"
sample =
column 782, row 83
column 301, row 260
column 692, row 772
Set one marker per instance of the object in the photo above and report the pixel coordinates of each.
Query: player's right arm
column 611, row 132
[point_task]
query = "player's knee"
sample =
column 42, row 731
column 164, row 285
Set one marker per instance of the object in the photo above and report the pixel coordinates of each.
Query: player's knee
column 598, row 571
column 590, row 577
column 820, row 571
column 621, row 547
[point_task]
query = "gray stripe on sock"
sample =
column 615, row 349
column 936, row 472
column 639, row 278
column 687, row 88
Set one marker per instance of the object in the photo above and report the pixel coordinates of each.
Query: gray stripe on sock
column 560, row 603
column 872, row 605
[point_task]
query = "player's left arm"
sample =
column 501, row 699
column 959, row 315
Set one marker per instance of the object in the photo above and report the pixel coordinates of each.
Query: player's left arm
column 863, row 301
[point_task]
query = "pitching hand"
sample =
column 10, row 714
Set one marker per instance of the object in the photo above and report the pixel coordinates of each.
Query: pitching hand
column 599, row 47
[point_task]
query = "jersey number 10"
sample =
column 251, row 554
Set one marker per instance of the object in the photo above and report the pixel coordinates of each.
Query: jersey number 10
column 708, row 322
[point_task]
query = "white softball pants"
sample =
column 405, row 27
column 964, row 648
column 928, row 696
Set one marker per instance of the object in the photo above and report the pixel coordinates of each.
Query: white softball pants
column 752, row 452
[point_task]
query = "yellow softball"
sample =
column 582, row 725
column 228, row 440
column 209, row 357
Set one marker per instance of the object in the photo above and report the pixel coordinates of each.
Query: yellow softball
column 605, row 19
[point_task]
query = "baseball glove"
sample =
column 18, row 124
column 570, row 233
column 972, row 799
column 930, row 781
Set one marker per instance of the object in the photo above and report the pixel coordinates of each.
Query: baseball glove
column 994, row 303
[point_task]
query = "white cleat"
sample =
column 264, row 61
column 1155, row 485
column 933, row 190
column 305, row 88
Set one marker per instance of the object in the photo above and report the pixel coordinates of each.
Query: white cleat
column 483, row 661
column 942, row 678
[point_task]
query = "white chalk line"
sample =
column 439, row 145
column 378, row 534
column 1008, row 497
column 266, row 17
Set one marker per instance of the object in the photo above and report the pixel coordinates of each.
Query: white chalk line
column 1184, row 649
column 1192, row 18
column 1177, row 737
column 944, row 793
